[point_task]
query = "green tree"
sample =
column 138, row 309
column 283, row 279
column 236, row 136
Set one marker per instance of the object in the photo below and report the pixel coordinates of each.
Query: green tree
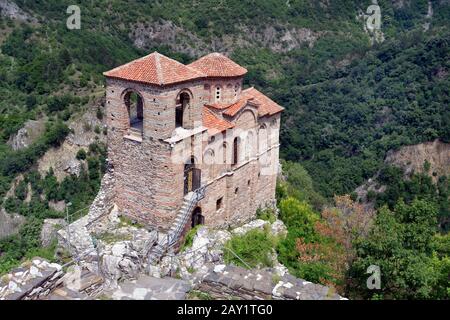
column 400, row 244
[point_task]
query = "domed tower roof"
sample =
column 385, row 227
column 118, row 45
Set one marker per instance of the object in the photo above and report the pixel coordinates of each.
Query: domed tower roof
column 155, row 69
column 217, row 65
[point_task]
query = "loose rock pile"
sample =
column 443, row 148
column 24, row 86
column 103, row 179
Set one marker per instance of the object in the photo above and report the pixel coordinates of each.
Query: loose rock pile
column 208, row 248
column 31, row 281
column 119, row 260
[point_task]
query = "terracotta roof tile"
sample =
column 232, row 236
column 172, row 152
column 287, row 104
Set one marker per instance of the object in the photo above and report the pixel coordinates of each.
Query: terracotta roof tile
column 214, row 123
column 237, row 106
column 155, row 69
column 219, row 106
column 266, row 105
column 217, row 65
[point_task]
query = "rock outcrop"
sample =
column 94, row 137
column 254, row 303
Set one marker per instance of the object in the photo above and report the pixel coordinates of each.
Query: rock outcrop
column 50, row 230
column 412, row 158
column 26, row 135
column 63, row 159
column 279, row 38
column 10, row 223
column 121, row 260
column 11, row 10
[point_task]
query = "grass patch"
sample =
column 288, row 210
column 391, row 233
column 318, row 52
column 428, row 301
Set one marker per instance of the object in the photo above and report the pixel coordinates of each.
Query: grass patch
column 254, row 248
column 127, row 222
column 47, row 253
column 191, row 270
column 189, row 239
column 109, row 237
column 198, row 295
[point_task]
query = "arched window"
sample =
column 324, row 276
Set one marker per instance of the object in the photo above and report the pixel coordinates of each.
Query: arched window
column 263, row 139
column 224, row 150
column 218, row 93
column 135, row 108
column 235, row 151
column 224, row 154
column 180, row 109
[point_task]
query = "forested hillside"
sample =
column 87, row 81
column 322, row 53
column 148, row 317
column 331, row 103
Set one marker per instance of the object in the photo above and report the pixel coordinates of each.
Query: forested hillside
column 349, row 99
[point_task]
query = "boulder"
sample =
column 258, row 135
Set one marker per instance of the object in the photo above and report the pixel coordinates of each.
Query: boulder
column 124, row 259
column 255, row 224
column 50, row 229
column 73, row 167
column 278, row 229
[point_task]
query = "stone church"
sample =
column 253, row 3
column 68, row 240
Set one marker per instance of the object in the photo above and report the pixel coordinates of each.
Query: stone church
column 188, row 144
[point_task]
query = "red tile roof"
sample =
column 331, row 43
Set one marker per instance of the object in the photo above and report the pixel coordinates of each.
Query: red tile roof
column 214, row 123
column 217, row 65
column 155, row 69
column 237, row 106
column 218, row 106
column 266, row 105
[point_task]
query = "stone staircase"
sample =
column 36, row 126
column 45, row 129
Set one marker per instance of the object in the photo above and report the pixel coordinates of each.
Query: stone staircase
column 167, row 242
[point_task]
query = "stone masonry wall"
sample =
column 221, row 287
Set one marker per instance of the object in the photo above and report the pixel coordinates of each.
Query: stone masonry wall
column 231, row 282
column 144, row 171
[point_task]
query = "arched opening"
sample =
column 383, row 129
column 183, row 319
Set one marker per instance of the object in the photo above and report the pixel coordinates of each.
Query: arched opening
column 197, row 217
column 192, row 176
column 223, row 156
column 235, row 151
column 224, row 153
column 135, row 108
column 263, row 139
column 180, row 109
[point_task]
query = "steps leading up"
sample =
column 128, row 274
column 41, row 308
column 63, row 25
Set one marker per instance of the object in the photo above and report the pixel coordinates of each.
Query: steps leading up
column 176, row 230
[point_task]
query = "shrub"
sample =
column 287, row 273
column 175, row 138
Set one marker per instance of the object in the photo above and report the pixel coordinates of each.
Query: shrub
column 81, row 154
column 189, row 239
column 99, row 114
column 266, row 215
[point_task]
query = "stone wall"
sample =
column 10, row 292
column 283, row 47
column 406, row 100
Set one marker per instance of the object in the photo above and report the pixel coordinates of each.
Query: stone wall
column 148, row 186
column 231, row 282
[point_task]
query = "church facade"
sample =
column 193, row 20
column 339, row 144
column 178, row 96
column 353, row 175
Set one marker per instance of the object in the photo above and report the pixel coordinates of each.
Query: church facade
column 175, row 130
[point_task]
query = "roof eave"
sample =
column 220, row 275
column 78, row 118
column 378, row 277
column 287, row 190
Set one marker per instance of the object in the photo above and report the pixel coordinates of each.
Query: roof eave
column 161, row 85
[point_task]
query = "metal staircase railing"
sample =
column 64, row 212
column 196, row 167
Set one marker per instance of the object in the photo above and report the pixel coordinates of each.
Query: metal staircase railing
column 198, row 195
column 168, row 242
